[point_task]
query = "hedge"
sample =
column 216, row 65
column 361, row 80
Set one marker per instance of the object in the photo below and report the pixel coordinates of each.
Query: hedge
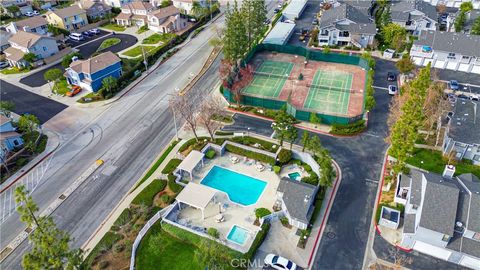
column 147, row 195
column 171, row 165
column 261, row 212
column 250, row 154
column 251, row 141
column 124, row 217
column 284, row 156
column 210, row 154
column 257, row 242
column 172, row 185
column 107, row 242
column 191, row 142
column 348, row 129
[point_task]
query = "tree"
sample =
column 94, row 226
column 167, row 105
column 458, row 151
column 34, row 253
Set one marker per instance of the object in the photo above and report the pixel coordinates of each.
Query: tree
column 67, row 59
column 314, row 119
column 291, row 136
column 198, row 10
column 283, row 126
column 165, row 3
column 185, row 105
column 460, row 21
column 27, row 123
column 50, row 248
column 476, row 27
column 235, row 41
column 399, row 260
column 314, row 145
column 13, row 9
column 385, row 18
column 305, row 138
column 211, row 255
column 405, row 65
column 466, row 6
column 434, row 107
column 109, row 84
column 441, row 8
column 327, row 172
column 6, row 107
column 210, row 108
column 30, row 58
column 245, row 76
column 394, row 36
column 53, row 76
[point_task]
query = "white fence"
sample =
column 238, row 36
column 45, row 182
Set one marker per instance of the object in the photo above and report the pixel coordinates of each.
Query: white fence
column 307, row 158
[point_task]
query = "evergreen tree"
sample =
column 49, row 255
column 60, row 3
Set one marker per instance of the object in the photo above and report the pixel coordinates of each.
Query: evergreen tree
column 476, row 27
column 386, row 17
column 235, row 40
column 305, row 138
column 460, row 21
column 259, row 18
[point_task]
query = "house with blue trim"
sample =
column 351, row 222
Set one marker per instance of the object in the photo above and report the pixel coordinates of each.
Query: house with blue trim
column 10, row 138
column 88, row 74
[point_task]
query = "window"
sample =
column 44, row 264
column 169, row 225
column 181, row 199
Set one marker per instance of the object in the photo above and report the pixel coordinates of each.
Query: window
column 428, row 24
column 451, row 55
column 465, row 57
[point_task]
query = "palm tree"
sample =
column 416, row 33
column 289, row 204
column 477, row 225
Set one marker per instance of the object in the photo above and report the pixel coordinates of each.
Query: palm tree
column 197, row 9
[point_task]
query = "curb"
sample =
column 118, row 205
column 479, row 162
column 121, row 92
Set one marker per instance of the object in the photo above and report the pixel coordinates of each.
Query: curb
column 327, row 212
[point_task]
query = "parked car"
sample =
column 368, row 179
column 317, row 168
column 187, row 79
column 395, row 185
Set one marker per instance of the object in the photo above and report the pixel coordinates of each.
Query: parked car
column 278, row 262
column 4, row 64
column 453, row 84
column 392, row 90
column 29, row 14
column 95, row 31
column 315, row 21
column 391, row 76
column 36, row 13
column 87, row 34
column 276, row 10
column 76, row 36
column 75, row 90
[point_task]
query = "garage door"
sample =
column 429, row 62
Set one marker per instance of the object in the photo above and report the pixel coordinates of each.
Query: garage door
column 470, row 262
column 417, row 60
column 464, row 67
column 431, row 250
column 452, row 65
column 439, row 64
column 476, row 69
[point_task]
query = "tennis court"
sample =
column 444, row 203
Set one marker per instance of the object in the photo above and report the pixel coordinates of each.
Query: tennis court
column 329, row 92
column 269, row 78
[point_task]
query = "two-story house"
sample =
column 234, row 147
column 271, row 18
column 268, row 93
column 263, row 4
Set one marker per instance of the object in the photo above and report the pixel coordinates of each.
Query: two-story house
column 4, row 44
column 187, row 6
column 442, row 216
column 10, row 139
column 471, row 16
column 297, row 200
column 414, row 15
column 118, row 3
column 89, row 74
column 25, row 42
column 134, row 14
column 95, row 9
column 462, row 136
column 35, row 24
column 166, row 20
column 453, row 3
column 22, row 7
column 69, row 18
column 447, row 50
column 344, row 25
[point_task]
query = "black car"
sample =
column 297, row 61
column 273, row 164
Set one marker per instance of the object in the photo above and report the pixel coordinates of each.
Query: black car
column 276, row 10
column 87, row 34
column 391, row 76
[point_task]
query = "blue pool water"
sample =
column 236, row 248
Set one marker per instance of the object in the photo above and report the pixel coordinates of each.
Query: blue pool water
column 237, row 235
column 240, row 188
column 294, row 176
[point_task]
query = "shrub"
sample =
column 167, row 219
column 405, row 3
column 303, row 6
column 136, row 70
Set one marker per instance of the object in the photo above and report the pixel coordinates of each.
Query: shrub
column 284, row 221
column 172, row 185
column 213, row 232
column 277, row 169
column 191, row 142
column 117, row 248
column 312, row 179
column 124, row 217
column 348, row 129
column 114, row 228
column 103, row 264
column 164, row 198
column 257, row 242
column 284, row 156
column 261, row 212
column 171, row 165
column 147, row 195
column 210, row 154
column 250, row 154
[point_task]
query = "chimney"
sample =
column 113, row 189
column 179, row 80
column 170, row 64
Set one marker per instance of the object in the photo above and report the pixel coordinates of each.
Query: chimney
column 449, row 171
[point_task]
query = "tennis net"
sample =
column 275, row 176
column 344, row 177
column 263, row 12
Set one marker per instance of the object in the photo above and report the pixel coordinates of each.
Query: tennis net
column 264, row 74
column 332, row 88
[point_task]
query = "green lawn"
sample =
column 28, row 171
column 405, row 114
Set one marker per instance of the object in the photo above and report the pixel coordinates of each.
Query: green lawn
column 137, row 51
column 14, row 70
column 156, row 38
column 142, row 30
column 433, row 161
column 109, row 42
column 61, row 87
column 114, row 27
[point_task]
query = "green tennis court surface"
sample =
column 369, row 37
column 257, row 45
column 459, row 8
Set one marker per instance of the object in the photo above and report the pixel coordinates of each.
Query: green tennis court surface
column 329, row 92
column 269, row 79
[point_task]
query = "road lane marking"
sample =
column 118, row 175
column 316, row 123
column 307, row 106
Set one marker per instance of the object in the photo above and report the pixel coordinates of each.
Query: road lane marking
column 371, row 181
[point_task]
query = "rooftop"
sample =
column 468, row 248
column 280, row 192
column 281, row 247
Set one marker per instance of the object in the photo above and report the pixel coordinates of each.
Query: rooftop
column 26, row 39
column 465, row 122
column 295, row 7
column 298, row 197
column 280, row 33
column 68, row 11
column 465, row 44
column 362, row 23
column 165, row 12
column 31, row 22
column 95, row 64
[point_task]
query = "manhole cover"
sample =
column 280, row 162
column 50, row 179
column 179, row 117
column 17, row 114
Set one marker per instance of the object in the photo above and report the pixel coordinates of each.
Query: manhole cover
column 331, row 235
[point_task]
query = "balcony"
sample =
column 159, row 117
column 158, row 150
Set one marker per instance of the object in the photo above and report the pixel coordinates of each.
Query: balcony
column 421, row 52
column 77, row 20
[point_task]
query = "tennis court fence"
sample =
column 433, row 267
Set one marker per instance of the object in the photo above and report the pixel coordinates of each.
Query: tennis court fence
column 271, row 75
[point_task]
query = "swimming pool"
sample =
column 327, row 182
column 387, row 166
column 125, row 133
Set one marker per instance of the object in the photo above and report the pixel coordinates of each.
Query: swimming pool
column 240, row 188
column 295, row 176
column 237, row 235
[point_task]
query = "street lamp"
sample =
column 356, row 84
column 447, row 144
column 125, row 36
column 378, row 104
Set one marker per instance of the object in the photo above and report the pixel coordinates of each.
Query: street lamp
column 174, row 120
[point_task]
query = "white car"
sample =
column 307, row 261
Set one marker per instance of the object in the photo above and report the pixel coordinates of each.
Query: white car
column 392, row 90
column 280, row 263
column 76, row 36
column 94, row 31
column 36, row 13
column 29, row 14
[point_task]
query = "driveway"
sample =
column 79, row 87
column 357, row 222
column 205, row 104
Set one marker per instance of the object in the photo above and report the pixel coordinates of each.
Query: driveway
column 86, row 50
column 465, row 79
column 28, row 102
column 305, row 21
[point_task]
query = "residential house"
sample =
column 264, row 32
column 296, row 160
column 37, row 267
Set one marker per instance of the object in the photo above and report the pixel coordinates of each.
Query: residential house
column 69, row 18
column 134, row 14
column 462, row 136
column 453, row 3
column 95, row 9
column 442, row 216
column 4, row 44
column 117, row 3
column 297, row 201
column 187, row 6
column 10, row 139
column 166, row 20
column 89, row 73
column 23, row 7
column 25, row 42
column 36, row 24
column 414, row 15
column 447, row 50
column 346, row 24
column 467, row 27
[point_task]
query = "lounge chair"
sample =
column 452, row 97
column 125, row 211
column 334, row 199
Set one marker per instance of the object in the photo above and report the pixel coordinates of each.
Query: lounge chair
column 260, row 167
column 219, row 218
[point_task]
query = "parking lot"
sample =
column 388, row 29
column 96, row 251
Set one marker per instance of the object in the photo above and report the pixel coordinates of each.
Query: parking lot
column 304, row 22
column 86, row 50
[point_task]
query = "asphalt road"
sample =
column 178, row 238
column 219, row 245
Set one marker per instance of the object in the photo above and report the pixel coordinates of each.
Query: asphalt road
column 28, row 102
column 86, row 50
column 127, row 135
column 305, row 21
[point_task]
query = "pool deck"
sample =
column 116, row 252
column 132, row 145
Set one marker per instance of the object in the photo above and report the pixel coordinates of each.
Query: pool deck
column 234, row 214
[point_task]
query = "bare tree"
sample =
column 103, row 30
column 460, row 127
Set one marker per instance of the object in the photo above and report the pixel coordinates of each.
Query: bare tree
column 245, row 76
column 211, row 107
column 434, row 107
column 399, row 259
column 185, row 105
column 441, row 8
column 396, row 108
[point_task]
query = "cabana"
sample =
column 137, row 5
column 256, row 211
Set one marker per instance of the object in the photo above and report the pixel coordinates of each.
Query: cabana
column 190, row 162
column 197, row 196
